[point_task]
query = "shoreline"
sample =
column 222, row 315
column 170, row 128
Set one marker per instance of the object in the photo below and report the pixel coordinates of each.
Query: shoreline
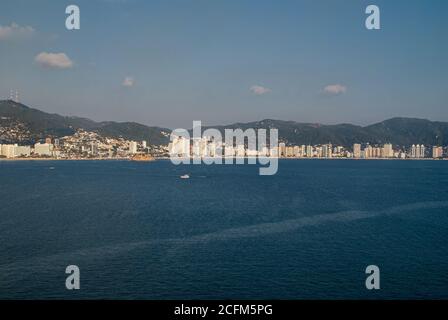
column 167, row 158
column 56, row 159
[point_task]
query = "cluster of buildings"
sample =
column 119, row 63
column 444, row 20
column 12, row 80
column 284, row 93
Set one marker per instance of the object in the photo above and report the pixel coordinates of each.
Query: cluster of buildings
column 11, row 130
column 206, row 147
column 81, row 145
column 312, row 151
column 418, row 151
column 84, row 145
column 16, row 151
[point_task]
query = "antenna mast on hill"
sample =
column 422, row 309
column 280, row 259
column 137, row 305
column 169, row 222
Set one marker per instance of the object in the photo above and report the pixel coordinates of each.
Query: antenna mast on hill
column 14, row 96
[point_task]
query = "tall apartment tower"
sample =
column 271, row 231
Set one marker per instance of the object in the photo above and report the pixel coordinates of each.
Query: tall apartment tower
column 422, row 151
column 357, row 150
column 133, row 147
column 413, row 151
column 388, row 151
column 437, row 152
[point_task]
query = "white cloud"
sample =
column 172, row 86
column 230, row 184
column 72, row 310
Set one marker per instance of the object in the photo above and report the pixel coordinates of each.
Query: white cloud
column 54, row 60
column 128, row 82
column 259, row 90
column 15, row 31
column 335, row 89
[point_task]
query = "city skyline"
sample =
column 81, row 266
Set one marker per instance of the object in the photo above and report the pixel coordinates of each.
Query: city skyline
column 86, row 145
column 255, row 60
column 19, row 123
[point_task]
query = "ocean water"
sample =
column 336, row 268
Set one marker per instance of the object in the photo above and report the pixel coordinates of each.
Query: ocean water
column 136, row 230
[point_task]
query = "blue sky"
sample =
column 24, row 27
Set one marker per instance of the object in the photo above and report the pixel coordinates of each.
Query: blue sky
column 168, row 63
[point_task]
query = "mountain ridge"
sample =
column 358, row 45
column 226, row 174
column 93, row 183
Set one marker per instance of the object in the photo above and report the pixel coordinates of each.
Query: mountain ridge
column 398, row 130
column 42, row 124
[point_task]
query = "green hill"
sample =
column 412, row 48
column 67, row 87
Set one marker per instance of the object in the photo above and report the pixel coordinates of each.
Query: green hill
column 41, row 125
column 37, row 125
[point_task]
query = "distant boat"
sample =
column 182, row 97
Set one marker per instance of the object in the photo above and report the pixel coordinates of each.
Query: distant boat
column 185, row 176
column 51, row 168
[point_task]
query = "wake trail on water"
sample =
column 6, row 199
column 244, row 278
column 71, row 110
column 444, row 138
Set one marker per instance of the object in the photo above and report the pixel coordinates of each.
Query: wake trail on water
column 99, row 253
column 293, row 224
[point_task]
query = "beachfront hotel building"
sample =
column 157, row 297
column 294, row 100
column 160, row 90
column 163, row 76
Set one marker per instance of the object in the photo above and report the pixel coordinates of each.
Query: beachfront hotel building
column 14, row 150
column 437, row 152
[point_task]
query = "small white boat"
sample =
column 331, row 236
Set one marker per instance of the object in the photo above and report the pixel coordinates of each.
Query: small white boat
column 185, row 176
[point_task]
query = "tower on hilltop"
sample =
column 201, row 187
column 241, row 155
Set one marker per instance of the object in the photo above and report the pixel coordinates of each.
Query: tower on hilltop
column 14, row 96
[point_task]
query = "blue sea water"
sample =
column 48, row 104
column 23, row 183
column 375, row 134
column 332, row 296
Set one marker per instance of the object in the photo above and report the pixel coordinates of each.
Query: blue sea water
column 136, row 230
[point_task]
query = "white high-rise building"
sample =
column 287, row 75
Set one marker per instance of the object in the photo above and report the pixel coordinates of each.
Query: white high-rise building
column 368, row 152
column 413, row 151
column 94, row 148
column 180, row 147
column 309, row 151
column 200, row 147
column 388, row 151
column 422, row 151
column 417, row 151
column 22, row 151
column 43, row 149
column 327, row 151
column 133, row 147
column 8, row 150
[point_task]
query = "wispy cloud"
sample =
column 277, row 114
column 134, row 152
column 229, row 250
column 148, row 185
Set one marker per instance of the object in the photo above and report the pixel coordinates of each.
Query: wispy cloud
column 54, row 60
column 128, row 82
column 335, row 89
column 15, row 31
column 259, row 90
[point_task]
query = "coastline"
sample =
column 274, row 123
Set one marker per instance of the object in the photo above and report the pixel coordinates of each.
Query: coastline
column 58, row 159
column 167, row 158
